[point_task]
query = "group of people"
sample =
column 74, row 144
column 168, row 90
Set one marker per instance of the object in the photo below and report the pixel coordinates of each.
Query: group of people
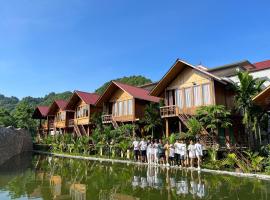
column 176, row 154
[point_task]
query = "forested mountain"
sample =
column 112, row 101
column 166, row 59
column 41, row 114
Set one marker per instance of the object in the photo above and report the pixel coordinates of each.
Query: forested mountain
column 18, row 113
column 131, row 80
column 8, row 103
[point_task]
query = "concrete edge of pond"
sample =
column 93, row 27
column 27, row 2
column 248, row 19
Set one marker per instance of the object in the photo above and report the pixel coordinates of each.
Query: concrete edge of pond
column 248, row 175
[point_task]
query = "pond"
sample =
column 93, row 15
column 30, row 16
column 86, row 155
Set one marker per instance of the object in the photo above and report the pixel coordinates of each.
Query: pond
column 44, row 177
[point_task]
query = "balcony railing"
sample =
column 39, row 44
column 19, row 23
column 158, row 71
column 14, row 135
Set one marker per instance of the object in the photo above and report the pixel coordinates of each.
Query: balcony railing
column 106, row 119
column 51, row 124
column 70, row 122
column 169, row 111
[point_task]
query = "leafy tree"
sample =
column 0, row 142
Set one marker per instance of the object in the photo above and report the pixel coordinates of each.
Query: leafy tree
column 151, row 119
column 131, row 80
column 194, row 126
column 8, row 103
column 212, row 117
column 6, row 118
column 23, row 116
column 245, row 90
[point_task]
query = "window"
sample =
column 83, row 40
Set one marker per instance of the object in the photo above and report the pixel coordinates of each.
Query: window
column 188, row 97
column 120, row 113
column 197, row 96
column 130, row 107
column 125, row 108
column 82, row 111
column 206, row 94
column 179, row 98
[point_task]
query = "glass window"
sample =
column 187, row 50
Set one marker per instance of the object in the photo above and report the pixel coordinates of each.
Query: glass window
column 206, row 94
column 179, row 98
column 130, row 107
column 125, row 108
column 188, row 97
column 197, row 96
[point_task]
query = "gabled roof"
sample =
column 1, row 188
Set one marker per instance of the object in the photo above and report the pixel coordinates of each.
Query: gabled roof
column 173, row 72
column 88, row 98
column 57, row 104
column 261, row 65
column 263, row 98
column 136, row 92
column 40, row 112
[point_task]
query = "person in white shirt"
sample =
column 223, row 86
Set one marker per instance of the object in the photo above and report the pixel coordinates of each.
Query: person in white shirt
column 191, row 153
column 183, row 153
column 171, row 154
column 149, row 152
column 136, row 149
column 198, row 153
column 177, row 152
column 143, row 148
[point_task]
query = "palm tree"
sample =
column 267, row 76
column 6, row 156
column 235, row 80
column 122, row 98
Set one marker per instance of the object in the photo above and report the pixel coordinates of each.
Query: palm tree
column 245, row 90
column 151, row 119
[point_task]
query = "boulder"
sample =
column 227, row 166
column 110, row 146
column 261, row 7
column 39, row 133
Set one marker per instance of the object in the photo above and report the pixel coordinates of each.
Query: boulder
column 13, row 142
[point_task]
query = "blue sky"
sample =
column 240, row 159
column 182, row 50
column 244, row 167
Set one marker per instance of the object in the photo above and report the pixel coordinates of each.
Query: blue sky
column 59, row 45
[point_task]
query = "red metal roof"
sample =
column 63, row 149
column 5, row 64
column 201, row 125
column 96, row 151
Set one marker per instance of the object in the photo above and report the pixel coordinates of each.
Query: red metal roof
column 43, row 110
column 40, row 112
column 137, row 92
column 261, row 65
column 88, row 98
column 61, row 104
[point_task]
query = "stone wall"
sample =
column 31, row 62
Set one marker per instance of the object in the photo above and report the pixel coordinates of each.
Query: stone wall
column 13, row 142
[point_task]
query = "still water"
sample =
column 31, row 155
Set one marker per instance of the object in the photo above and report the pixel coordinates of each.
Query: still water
column 42, row 177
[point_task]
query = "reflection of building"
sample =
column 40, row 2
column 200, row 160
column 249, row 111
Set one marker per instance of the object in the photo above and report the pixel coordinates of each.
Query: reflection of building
column 56, row 183
column 77, row 191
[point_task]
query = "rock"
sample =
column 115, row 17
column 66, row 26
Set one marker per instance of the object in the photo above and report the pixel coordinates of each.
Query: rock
column 14, row 142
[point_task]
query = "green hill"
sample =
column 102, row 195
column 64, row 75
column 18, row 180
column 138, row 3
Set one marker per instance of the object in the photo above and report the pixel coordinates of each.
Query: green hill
column 131, row 80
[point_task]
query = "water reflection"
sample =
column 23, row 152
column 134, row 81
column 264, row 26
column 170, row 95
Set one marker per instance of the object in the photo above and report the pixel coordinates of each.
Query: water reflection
column 56, row 178
column 188, row 183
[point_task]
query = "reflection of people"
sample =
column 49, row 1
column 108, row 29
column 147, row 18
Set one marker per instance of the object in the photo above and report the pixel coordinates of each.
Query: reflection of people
column 200, row 187
column 136, row 149
column 198, row 153
column 136, row 181
column 191, row 153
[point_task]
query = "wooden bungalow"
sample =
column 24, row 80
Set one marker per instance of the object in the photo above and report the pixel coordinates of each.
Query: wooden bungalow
column 124, row 103
column 82, row 107
column 263, row 100
column 41, row 113
column 57, row 117
column 185, row 88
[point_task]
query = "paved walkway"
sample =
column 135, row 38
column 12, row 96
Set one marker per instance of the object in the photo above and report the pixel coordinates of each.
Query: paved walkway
column 249, row 175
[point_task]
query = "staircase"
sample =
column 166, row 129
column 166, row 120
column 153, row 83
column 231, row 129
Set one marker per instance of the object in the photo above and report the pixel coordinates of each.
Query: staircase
column 205, row 138
column 114, row 123
column 77, row 130
column 80, row 130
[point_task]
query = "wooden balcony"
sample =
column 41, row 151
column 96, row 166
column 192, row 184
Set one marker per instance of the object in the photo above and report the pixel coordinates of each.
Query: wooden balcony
column 106, row 119
column 169, row 111
column 51, row 124
column 109, row 118
column 70, row 123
